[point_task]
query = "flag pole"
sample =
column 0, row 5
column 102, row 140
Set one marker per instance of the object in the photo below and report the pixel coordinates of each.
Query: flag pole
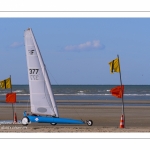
column 121, row 90
column 12, row 103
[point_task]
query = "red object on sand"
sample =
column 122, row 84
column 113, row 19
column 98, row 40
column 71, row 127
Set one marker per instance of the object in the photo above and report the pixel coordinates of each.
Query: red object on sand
column 15, row 118
column 117, row 91
column 122, row 122
column 11, row 98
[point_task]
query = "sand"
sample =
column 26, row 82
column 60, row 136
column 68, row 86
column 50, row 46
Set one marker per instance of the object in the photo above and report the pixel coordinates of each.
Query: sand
column 105, row 119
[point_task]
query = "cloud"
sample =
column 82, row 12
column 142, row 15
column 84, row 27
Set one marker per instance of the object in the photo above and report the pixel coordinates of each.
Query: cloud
column 89, row 45
column 16, row 44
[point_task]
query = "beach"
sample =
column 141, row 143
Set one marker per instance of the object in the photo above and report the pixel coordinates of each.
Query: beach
column 105, row 118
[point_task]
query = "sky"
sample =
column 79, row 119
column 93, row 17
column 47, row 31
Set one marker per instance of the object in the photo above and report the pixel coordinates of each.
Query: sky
column 78, row 50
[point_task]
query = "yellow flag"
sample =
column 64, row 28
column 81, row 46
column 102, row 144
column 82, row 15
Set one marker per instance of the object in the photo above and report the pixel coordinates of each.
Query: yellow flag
column 114, row 65
column 5, row 84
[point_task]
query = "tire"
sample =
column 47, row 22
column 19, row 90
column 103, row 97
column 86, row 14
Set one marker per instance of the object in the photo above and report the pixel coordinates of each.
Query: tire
column 25, row 121
column 89, row 122
column 53, row 124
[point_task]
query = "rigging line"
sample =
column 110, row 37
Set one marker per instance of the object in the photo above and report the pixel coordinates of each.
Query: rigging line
column 67, row 98
column 46, row 96
column 52, row 76
column 28, row 102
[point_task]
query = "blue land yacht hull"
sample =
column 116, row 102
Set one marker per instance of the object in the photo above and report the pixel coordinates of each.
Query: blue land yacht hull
column 49, row 119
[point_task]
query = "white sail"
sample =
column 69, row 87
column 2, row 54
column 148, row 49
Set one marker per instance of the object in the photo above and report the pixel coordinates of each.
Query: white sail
column 41, row 96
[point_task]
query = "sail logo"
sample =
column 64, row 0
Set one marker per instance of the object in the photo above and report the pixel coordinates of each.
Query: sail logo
column 31, row 52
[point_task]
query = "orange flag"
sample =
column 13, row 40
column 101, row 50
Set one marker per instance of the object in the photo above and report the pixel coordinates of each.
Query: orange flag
column 11, row 98
column 117, row 91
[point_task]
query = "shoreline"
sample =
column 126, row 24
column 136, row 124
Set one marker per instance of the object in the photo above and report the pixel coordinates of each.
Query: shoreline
column 90, row 103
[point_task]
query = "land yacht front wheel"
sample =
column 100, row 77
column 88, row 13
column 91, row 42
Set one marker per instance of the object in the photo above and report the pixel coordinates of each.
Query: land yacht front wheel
column 89, row 122
column 25, row 121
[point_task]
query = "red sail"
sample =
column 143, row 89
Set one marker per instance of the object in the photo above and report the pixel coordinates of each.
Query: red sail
column 117, row 91
column 11, row 98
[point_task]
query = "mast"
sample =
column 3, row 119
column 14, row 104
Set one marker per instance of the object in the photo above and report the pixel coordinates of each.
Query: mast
column 11, row 92
column 121, row 89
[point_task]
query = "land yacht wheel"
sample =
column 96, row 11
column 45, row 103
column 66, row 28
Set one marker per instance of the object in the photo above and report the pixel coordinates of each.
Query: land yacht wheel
column 89, row 122
column 25, row 121
column 53, row 124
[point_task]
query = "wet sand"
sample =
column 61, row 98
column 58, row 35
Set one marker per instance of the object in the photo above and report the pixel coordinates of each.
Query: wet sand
column 105, row 119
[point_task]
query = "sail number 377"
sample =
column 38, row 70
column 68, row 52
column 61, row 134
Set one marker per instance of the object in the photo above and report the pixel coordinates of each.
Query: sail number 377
column 34, row 74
